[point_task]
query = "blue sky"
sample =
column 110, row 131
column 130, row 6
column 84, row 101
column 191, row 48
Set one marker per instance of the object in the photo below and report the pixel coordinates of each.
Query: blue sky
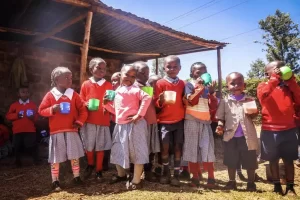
column 242, row 50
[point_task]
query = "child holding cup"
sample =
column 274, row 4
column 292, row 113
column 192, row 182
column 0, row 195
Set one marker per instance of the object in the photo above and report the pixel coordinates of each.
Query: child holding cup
column 95, row 132
column 66, row 112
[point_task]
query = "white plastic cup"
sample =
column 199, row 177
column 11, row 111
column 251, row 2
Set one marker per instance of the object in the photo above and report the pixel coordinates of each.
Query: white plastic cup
column 250, row 107
column 170, row 97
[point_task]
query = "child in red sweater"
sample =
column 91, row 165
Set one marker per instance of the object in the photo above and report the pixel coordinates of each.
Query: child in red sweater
column 23, row 114
column 279, row 132
column 170, row 118
column 95, row 132
column 66, row 112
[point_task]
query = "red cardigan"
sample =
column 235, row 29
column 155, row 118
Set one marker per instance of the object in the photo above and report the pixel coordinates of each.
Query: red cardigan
column 277, row 103
column 63, row 122
column 91, row 90
column 22, row 125
column 170, row 114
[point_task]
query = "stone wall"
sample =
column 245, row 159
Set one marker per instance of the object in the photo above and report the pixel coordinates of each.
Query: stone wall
column 39, row 64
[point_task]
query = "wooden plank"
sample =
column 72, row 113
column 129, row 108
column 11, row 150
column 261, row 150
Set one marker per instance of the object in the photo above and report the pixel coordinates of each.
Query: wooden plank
column 105, row 11
column 85, row 47
column 219, row 71
column 59, row 28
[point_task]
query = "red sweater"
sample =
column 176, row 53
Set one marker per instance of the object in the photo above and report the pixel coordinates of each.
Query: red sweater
column 278, row 103
column 91, row 90
column 22, row 125
column 4, row 134
column 58, row 122
column 170, row 114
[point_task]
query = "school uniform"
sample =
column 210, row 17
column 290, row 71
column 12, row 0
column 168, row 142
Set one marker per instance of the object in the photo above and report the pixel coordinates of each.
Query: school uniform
column 130, row 140
column 65, row 143
column 95, row 132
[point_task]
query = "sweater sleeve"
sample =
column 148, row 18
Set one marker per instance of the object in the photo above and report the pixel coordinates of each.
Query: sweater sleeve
column 212, row 103
column 295, row 89
column 145, row 102
column 83, row 92
column 264, row 90
column 158, row 91
column 82, row 110
column 110, row 108
column 45, row 108
column 11, row 114
column 220, row 115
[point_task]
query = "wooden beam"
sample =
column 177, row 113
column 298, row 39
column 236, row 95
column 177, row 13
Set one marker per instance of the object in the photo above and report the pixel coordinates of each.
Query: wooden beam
column 145, row 25
column 219, row 71
column 156, row 66
column 59, row 28
column 85, row 47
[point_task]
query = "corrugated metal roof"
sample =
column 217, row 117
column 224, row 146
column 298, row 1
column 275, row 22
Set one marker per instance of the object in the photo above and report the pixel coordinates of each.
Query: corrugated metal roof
column 107, row 31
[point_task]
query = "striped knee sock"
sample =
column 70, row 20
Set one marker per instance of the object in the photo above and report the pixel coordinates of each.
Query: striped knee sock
column 99, row 160
column 176, row 167
column 54, row 171
column 75, row 167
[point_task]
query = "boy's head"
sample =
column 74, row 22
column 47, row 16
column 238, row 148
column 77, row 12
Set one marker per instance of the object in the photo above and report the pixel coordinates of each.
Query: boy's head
column 172, row 66
column 269, row 69
column 23, row 93
column 115, row 80
column 153, row 79
column 61, row 77
column 142, row 72
column 197, row 69
column 235, row 83
column 97, row 68
column 128, row 75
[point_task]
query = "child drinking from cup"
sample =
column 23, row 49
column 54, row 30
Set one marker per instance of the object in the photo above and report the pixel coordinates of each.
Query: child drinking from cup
column 168, row 97
column 199, row 141
column 150, row 117
column 95, row 132
column 130, row 134
column 240, row 137
column 66, row 112
column 23, row 114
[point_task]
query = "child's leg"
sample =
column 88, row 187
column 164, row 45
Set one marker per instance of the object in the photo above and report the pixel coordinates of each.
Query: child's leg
column 121, row 171
column 209, row 167
column 18, row 142
column 75, row 167
column 90, row 158
column 194, row 169
column 251, row 175
column 138, row 170
column 99, row 160
column 55, row 172
column 274, row 167
column 231, row 174
column 165, row 159
column 177, row 159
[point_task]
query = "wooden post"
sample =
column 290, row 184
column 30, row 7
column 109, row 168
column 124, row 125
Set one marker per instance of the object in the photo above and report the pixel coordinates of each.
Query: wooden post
column 219, row 71
column 156, row 66
column 85, row 47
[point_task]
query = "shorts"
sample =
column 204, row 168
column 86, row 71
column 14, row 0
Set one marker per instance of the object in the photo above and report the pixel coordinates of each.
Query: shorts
column 236, row 153
column 279, row 144
column 172, row 133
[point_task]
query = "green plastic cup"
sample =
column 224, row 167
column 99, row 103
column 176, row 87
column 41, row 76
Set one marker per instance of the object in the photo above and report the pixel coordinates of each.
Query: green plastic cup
column 110, row 94
column 148, row 90
column 286, row 73
column 206, row 77
column 94, row 104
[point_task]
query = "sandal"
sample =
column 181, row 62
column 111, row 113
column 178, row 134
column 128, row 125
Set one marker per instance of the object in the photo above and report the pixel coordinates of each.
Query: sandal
column 117, row 179
column 133, row 186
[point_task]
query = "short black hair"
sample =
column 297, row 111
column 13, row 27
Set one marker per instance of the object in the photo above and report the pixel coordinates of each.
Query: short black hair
column 138, row 63
column 95, row 62
column 128, row 66
column 173, row 58
column 236, row 73
column 193, row 65
column 22, row 87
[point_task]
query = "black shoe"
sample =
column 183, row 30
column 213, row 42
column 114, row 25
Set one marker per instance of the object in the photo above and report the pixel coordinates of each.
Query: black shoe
column 251, row 187
column 55, row 186
column 290, row 191
column 117, row 179
column 231, row 185
column 165, row 179
column 195, row 182
column 184, row 175
column 88, row 171
column 175, row 181
column 241, row 177
column 77, row 181
column 278, row 188
column 151, row 177
column 211, row 183
column 99, row 176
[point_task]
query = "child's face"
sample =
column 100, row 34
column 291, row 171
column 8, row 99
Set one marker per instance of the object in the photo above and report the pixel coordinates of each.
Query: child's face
column 24, row 94
column 64, row 81
column 172, row 68
column 143, row 74
column 198, row 70
column 128, row 76
column 99, row 71
column 115, row 81
column 235, row 84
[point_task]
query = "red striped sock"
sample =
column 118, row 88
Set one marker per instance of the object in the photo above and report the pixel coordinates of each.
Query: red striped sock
column 194, row 169
column 209, row 166
column 99, row 160
column 75, row 167
column 90, row 157
column 54, row 171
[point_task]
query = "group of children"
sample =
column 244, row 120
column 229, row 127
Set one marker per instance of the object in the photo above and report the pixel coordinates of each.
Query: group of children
column 146, row 129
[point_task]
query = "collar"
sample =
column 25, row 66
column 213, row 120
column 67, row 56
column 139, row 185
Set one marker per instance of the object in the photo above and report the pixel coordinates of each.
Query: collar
column 172, row 80
column 230, row 97
column 100, row 83
column 68, row 93
column 23, row 102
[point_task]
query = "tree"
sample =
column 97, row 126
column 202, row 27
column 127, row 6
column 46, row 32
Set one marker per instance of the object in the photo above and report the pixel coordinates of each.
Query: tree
column 257, row 69
column 161, row 71
column 282, row 38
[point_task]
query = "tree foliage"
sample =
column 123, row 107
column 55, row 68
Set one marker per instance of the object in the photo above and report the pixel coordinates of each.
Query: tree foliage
column 257, row 69
column 282, row 39
column 161, row 71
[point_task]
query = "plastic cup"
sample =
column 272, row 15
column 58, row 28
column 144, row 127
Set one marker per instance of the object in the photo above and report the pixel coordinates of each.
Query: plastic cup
column 110, row 94
column 286, row 73
column 148, row 90
column 250, row 107
column 170, row 97
column 206, row 77
column 29, row 113
column 94, row 104
column 65, row 107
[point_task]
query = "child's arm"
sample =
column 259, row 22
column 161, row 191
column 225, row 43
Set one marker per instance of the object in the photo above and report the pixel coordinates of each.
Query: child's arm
column 158, row 96
column 145, row 100
column 46, row 108
column 295, row 89
column 82, row 111
column 83, row 93
column 264, row 90
column 109, row 106
column 11, row 114
column 213, row 104
column 220, row 116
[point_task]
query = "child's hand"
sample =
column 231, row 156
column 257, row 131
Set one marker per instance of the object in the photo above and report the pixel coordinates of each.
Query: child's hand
column 87, row 104
column 199, row 81
column 186, row 101
column 252, row 115
column 76, row 126
column 105, row 100
column 56, row 108
column 20, row 115
column 134, row 118
column 161, row 99
column 211, row 87
column 220, row 130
